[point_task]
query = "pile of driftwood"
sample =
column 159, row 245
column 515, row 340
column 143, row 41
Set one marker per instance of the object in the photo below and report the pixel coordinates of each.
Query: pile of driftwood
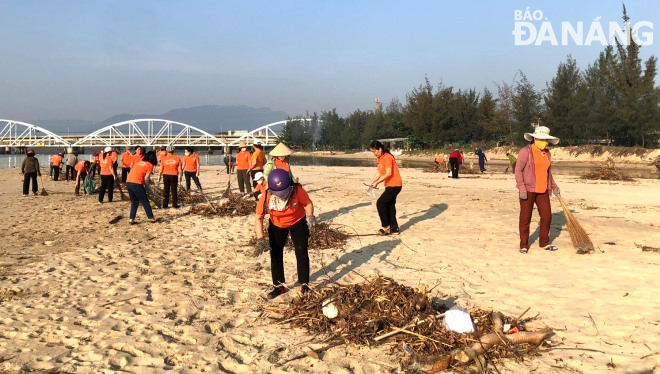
column 322, row 237
column 231, row 205
column 607, row 171
column 382, row 310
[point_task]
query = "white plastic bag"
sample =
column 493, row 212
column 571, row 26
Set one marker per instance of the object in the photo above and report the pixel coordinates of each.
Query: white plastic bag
column 370, row 192
column 458, row 319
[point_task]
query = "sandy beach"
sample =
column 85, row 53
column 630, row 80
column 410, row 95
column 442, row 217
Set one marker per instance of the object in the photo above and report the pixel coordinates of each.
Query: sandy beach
column 79, row 294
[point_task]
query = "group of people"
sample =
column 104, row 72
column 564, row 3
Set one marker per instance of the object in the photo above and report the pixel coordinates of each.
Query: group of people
column 289, row 207
column 291, row 211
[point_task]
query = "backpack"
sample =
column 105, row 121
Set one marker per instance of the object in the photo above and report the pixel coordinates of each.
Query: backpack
column 270, row 166
column 89, row 185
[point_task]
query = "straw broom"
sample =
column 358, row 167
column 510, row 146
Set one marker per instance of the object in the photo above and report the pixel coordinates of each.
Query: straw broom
column 579, row 237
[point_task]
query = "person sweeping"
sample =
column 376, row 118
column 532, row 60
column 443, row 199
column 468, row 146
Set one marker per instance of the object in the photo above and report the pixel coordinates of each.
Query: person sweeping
column 108, row 175
column 139, row 175
column 290, row 212
column 512, row 163
column 535, row 185
column 30, row 170
column 388, row 174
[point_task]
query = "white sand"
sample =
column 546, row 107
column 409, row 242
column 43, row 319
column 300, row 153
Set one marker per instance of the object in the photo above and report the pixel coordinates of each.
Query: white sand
column 84, row 296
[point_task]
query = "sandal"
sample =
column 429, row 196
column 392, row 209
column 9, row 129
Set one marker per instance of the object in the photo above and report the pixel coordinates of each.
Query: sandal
column 551, row 248
column 524, row 250
column 383, row 232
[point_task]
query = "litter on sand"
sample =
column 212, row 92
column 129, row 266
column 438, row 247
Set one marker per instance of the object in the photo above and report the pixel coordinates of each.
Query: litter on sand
column 322, row 237
column 607, row 171
column 234, row 205
column 382, row 311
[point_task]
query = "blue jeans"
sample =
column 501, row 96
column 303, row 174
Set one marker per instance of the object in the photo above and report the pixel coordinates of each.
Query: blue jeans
column 138, row 195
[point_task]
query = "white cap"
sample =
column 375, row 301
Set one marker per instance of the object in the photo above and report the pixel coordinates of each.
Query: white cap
column 107, row 149
column 257, row 142
column 170, row 148
column 258, row 176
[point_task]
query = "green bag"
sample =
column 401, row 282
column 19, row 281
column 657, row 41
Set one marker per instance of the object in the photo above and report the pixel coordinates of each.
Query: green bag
column 89, row 185
column 270, row 166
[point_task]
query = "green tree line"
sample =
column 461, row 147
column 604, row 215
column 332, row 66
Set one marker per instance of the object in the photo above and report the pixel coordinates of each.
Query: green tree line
column 614, row 101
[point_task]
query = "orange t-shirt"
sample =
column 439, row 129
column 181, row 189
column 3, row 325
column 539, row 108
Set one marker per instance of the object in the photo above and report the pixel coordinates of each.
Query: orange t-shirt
column 294, row 212
column 258, row 160
column 387, row 161
column 261, row 187
column 243, row 160
column 440, row 160
column 541, row 166
column 56, row 160
column 136, row 158
column 114, row 156
column 282, row 164
column 191, row 162
column 139, row 171
column 126, row 159
column 106, row 165
column 79, row 166
column 170, row 164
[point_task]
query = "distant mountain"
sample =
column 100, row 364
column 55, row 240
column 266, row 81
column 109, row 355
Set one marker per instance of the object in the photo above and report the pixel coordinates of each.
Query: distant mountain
column 212, row 118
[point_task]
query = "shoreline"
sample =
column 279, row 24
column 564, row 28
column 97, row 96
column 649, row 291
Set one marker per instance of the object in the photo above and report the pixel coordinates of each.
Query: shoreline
column 559, row 154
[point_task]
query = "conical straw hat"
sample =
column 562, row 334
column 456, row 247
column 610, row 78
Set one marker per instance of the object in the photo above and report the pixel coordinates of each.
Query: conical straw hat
column 281, row 150
column 242, row 144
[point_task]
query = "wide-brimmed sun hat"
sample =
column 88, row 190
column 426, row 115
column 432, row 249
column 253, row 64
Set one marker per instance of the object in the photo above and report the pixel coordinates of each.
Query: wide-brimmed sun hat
column 281, row 150
column 242, row 144
column 543, row 133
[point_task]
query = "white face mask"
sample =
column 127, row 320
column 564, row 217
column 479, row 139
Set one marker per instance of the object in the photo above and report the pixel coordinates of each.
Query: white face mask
column 187, row 153
column 281, row 158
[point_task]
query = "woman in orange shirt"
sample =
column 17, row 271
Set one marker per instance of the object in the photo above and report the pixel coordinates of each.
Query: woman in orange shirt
column 290, row 211
column 257, row 162
column 535, row 185
column 242, row 168
column 191, row 168
column 388, row 173
column 108, row 175
column 82, row 168
column 139, row 175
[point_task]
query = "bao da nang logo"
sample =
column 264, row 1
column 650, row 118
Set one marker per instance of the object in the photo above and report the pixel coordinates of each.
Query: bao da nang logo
column 531, row 28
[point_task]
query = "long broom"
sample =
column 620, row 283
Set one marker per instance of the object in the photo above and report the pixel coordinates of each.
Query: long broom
column 43, row 189
column 579, row 237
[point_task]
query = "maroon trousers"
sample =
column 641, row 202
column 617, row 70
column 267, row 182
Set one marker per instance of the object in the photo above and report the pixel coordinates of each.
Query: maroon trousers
column 542, row 201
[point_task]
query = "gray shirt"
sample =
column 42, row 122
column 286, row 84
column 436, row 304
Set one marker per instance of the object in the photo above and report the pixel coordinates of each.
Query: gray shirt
column 71, row 159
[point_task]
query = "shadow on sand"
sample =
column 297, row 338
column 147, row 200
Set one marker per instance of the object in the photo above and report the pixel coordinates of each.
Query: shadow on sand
column 352, row 261
column 432, row 212
column 558, row 221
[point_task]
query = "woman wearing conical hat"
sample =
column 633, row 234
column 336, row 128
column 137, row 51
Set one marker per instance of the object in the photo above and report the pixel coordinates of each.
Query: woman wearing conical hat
column 280, row 160
column 535, row 185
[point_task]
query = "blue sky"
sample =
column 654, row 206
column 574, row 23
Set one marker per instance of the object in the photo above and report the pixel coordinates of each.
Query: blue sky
column 93, row 59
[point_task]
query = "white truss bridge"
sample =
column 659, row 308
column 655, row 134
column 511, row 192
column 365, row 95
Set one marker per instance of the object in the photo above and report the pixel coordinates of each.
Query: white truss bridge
column 145, row 132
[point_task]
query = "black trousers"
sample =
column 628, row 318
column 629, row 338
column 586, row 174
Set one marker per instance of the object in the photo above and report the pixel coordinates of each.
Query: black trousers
column 56, row 173
column 124, row 174
column 107, row 183
column 252, row 174
column 170, row 185
column 243, row 181
column 81, row 181
column 192, row 175
column 453, row 163
column 386, row 205
column 70, row 169
column 27, row 177
column 277, row 237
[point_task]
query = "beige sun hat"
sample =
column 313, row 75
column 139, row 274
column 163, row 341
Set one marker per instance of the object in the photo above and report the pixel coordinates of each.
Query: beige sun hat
column 543, row 133
column 281, row 150
column 242, row 144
